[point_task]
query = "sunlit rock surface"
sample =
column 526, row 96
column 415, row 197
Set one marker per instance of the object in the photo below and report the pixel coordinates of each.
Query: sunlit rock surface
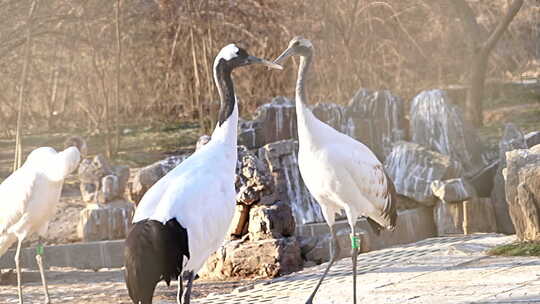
column 438, row 125
column 376, row 119
column 282, row 160
column 512, row 139
column 413, row 168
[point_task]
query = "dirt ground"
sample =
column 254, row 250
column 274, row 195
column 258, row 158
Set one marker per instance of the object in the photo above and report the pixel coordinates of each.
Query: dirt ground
column 75, row 286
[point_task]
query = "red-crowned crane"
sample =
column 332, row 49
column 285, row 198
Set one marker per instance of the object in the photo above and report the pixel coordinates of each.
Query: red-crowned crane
column 185, row 216
column 29, row 197
column 339, row 171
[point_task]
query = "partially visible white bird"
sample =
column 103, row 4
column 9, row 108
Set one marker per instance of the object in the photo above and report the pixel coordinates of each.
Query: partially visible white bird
column 339, row 171
column 29, row 197
column 184, row 217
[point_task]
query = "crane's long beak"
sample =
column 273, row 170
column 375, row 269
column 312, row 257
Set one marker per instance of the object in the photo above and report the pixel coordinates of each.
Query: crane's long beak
column 288, row 52
column 256, row 60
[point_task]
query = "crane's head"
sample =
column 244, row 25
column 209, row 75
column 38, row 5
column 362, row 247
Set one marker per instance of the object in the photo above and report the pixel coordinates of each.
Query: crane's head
column 77, row 142
column 231, row 57
column 297, row 46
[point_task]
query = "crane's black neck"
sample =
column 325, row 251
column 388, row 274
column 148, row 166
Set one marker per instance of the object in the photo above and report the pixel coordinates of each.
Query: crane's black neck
column 222, row 75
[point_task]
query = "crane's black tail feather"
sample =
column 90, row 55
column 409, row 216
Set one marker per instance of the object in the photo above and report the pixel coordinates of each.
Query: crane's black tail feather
column 153, row 252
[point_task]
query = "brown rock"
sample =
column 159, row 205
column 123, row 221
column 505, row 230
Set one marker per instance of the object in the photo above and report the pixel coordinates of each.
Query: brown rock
column 261, row 259
column 479, row 216
column 448, row 218
column 523, row 192
column 452, row 190
column 274, row 221
column 105, row 222
column 240, row 218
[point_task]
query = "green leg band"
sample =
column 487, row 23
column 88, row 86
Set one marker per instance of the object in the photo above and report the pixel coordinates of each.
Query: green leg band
column 355, row 242
column 39, row 249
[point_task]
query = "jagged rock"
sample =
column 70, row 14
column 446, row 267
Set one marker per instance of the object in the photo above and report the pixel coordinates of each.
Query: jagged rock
column 512, row 139
column 288, row 186
column 239, row 221
column 452, row 190
column 261, row 259
column 479, row 216
column 273, row 121
column 523, row 191
column 413, row 168
column 274, row 221
column 100, row 182
column 532, row 139
column 376, row 119
column 105, row 222
column 146, row 177
column 438, row 125
column 254, row 181
column 448, row 218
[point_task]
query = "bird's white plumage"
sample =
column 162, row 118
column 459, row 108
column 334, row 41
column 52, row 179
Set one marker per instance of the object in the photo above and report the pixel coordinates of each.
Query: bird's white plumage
column 228, row 52
column 30, row 194
column 340, row 172
column 199, row 193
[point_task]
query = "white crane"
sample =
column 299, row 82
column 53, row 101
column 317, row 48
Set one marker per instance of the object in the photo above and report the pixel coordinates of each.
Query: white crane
column 187, row 213
column 339, row 171
column 29, row 197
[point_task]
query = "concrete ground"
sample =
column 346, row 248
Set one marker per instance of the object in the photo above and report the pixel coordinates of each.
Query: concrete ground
column 436, row 270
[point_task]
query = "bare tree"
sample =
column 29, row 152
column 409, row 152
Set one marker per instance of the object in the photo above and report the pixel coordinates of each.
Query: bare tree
column 481, row 49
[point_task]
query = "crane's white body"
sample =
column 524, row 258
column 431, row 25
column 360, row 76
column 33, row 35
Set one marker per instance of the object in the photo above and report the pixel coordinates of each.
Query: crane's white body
column 339, row 171
column 199, row 193
column 28, row 197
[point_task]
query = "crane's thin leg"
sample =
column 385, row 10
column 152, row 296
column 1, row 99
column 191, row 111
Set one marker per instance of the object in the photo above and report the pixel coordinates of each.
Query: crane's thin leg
column 39, row 260
column 355, row 244
column 180, row 290
column 18, row 266
column 334, row 254
column 187, row 294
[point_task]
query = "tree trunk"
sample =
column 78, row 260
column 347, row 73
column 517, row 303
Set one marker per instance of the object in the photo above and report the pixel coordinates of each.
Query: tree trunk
column 480, row 56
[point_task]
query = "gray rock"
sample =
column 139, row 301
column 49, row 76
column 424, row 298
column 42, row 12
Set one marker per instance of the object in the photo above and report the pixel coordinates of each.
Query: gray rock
column 523, row 191
column 376, row 119
column 273, row 121
column 274, row 221
column 105, row 222
column 100, row 182
column 261, row 259
column 448, row 218
column 413, row 168
column 452, row 190
column 512, row 139
column 438, row 125
column 203, row 140
column 479, row 216
column 532, row 139
column 334, row 115
column 281, row 158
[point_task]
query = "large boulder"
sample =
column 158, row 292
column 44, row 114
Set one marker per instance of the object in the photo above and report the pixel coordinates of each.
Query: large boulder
column 532, row 139
column 522, row 175
column 105, row 222
column 413, row 168
column 282, row 160
column 512, row 139
column 271, row 221
column 334, row 115
column 254, row 181
column 453, row 190
column 273, row 121
column 479, row 216
column 448, row 218
column 267, row 258
column 438, row 125
column 376, row 119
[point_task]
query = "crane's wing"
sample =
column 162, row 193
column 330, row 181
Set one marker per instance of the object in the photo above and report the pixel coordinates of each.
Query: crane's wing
column 15, row 193
column 371, row 180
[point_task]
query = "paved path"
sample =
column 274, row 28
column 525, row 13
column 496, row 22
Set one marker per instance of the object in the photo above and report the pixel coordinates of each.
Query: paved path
column 437, row 270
